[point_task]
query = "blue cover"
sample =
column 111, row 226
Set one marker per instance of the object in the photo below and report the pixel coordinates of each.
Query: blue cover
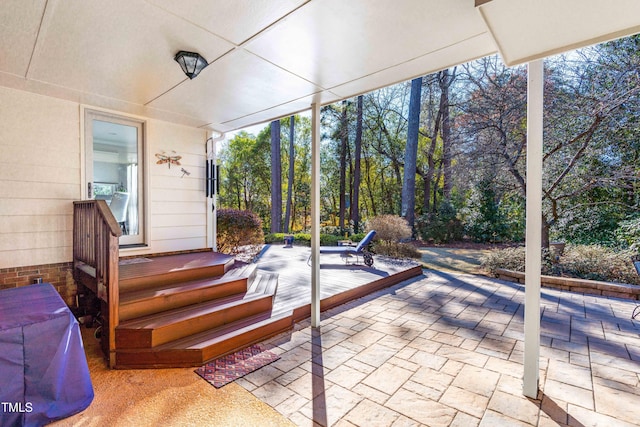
column 43, row 367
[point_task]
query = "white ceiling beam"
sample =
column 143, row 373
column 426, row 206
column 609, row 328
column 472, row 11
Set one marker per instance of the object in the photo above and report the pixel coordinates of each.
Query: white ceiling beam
column 527, row 30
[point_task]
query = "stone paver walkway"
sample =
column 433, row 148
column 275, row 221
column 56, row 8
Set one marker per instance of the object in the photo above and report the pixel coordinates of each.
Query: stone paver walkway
column 446, row 350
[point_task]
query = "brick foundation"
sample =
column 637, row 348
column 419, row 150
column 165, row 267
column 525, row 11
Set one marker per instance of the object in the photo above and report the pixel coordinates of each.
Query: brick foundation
column 59, row 275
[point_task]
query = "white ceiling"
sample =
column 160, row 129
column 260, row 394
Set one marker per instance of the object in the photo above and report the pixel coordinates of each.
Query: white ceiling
column 272, row 58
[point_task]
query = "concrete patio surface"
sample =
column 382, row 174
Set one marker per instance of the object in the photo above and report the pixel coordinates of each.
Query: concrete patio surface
column 446, row 349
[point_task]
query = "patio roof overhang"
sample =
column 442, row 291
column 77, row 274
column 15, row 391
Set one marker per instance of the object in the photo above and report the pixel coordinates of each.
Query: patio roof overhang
column 271, row 58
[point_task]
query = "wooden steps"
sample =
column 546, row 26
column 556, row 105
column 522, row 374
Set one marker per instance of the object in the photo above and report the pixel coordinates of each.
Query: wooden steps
column 149, row 301
column 165, row 270
column 187, row 311
column 209, row 345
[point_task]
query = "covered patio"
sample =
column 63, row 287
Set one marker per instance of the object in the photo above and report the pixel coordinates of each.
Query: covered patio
column 62, row 59
column 439, row 349
column 447, row 349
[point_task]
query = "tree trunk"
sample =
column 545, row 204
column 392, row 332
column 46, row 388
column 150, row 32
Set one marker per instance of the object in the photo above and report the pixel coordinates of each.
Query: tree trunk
column 545, row 232
column 287, row 215
column 445, row 81
column 411, row 153
column 344, row 140
column 369, row 186
column 431, row 165
column 276, row 179
column 355, row 211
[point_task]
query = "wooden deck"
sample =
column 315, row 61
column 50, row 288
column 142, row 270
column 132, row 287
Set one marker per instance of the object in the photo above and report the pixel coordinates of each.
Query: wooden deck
column 339, row 282
column 187, row 309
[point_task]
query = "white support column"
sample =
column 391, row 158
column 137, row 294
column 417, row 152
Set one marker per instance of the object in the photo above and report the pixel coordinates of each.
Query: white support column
column 535, row 105
column 315, row 215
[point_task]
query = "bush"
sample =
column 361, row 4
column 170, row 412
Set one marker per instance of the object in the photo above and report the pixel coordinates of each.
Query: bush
column 356, row 237
column 509, row 259
column 596, row 262
column 274, row 238
column 390, row 228
column 396, row 249
column 337, row 231
column 329, row 239
column 591, row 262
column 485, row 219
column 303, row 239
column 238, row 228
column 628, row 234
column 442, row 226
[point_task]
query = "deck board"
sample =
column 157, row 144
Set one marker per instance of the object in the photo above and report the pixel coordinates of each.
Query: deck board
column 336, row 278
column 130, row 269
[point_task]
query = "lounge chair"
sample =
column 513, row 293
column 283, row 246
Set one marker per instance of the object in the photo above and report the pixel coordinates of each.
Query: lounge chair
column 362, row 249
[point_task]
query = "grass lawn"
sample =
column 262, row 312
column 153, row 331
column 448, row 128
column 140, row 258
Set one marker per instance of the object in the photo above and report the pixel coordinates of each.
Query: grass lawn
column 456, row 260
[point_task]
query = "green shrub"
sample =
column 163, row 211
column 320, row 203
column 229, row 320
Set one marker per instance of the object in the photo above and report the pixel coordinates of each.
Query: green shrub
column 396, row 249
column 484, row 221
column 390, row 228
column 302, row 239
column 442, row 226
column 329, row 239
column 509, row 259
column 356, row 237
column 596, row 262
column 238, row 228
column 628, row 234
column 274, row 238
column 591, row 262
column 337, row 231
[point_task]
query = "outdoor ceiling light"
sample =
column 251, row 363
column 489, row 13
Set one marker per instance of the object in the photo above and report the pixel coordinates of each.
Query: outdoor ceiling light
column 191, row 63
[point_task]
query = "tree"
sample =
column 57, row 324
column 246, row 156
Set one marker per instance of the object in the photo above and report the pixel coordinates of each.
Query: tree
column 344, row 143
column 287, row 215
column 430, row 133
column 276, row 179
column 411, row 152
column 385, row 136
column 355, row 206
column 445, row 79
column 583, row 105
column 245, row 173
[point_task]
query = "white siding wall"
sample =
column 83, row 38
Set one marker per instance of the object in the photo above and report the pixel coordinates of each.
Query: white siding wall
column 178, row 207
column 39, row 178
column 40, row 173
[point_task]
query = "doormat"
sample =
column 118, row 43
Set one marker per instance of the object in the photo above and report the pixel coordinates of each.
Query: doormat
column 229, row 368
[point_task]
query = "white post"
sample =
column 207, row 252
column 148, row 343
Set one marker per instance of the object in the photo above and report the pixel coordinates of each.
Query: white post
column 535, row 105
column 315, row 215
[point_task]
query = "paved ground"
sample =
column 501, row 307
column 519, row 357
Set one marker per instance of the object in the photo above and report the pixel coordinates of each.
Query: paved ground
column 446, row 350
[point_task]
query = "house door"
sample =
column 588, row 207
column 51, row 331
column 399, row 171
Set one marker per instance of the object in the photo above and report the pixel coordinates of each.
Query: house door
column 114, row 148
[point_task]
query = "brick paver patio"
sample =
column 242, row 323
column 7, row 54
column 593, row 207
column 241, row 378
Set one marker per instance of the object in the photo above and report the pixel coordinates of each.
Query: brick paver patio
column 447, row 349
